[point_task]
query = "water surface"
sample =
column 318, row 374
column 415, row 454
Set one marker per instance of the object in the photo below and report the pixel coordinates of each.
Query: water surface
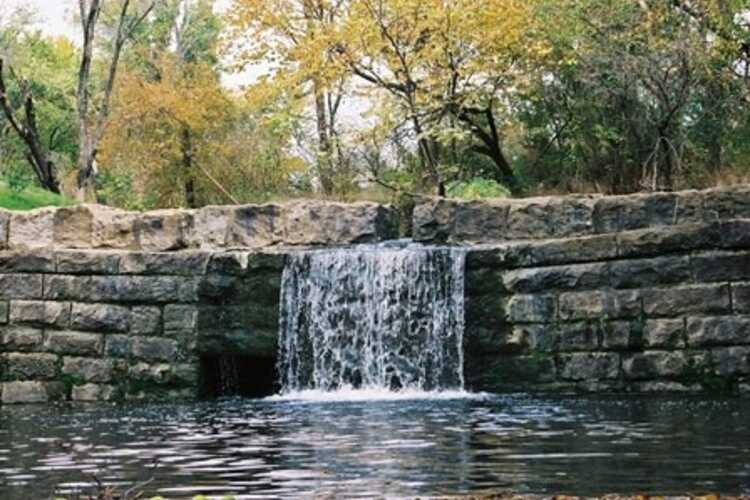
column 364, row 448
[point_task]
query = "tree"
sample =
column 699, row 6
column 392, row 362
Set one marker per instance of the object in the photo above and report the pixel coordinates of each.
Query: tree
column 37, row 105
column 92, row 123
column 292, row 39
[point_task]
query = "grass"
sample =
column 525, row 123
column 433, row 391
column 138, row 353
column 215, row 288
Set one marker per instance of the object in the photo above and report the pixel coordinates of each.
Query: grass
column 30, row 198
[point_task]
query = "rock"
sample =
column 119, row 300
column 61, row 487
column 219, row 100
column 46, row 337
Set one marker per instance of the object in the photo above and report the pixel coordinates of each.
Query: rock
column 684, row 300
column 112, row 228
column 4, row 225
column 3, row 313
column 93, row 392
column 731, row 361
column 87, row 262
column 88, row 369
column 20, row 286
column 654, row 242
column 178, row 317
column 665, row 387
column 433, row 220
column 581, row 336
column 531, row 309
column 599, row 305
column 546, row 279
column 561, row 251
column 141, row 289
column 35, row 261
column 211, row 226
column 741, row 297
column 721, row 266
column 21, row 339
column 256, row 226
column 34, row 312
column 669, row 333
column 589, row 366
column 145, row 320
column 655, row 364
column 34, row 366
column 727, row 202
column 74, row 343
column 100, row 317
column 725, row 330
column 118, row 346
column 32, row 230
column 620, row 335
column 164, row 230
column 185, row 263
column 154, row 349
column 73, row 227
column 62, row 287
column 32, row 392
column 642, row 273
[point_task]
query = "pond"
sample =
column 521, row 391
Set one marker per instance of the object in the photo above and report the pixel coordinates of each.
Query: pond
column 360, row 448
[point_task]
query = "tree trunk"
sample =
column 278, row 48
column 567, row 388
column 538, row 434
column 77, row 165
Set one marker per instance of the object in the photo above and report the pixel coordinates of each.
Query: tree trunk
column 186, row 144
column 325, row 151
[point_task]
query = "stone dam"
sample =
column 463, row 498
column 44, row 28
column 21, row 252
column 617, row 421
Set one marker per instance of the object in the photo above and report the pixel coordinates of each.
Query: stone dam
column 645, row 293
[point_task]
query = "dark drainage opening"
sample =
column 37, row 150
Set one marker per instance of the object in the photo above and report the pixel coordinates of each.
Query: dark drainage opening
column 229, row 375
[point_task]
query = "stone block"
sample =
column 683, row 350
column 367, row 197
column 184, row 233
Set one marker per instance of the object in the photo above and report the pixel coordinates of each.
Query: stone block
column 211, row 227
column 179, row 317
column 94, row 392
column 19, row 338
column 164, row 230
column 32, row 392
column 735, row 234
column 256, row 226
column 728, row 202
column 87, row 262
column 4, row 225
column 665, row 387
column 142, row 289
column 666, row 333
column 720, row 330
column 186, row 374
column 159, row 373
column 32, row 230
column 531, row 309
column 3, row 313
column 560, row 251
column 118, row 346
column 88, row 369
column 85, row 344
column 112, row 228
column 655, row 364
column 36, row 261
column 581, row 336
column 731, row 361
column 620, row 335
column 513, row 373
column 228, row 263
column 145, row 320
column 589, row 366
column 20, row 286
column 473, row 221
column 100, row 317
column 741, row 297
column 721, row 266
column 623, row 213
column 268, row 261
column 40, row 313
column 434, row 220
column 73, row 227
column 547, row 279
column 655, row 242
column 685, row 300
column 30, row 366
column 154, row 349
column 642, row 273
column 599, row 305
column 64, row 287
column 527, row 219
column 185, row 263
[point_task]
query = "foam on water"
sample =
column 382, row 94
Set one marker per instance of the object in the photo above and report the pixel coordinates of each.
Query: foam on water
column 349, row 394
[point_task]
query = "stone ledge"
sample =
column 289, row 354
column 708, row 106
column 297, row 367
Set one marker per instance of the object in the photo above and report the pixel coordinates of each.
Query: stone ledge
column 298, row 223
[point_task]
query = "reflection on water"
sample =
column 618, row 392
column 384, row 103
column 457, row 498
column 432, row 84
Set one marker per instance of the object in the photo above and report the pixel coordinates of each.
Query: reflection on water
column 392, row 448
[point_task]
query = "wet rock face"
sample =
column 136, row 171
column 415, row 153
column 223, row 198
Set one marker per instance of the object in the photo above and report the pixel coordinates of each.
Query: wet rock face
column 210, row 228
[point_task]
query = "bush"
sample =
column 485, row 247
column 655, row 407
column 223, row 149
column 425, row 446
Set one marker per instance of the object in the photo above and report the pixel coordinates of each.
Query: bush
column 478, row 188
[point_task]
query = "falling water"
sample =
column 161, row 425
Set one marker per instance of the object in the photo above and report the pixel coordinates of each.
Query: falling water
column 383, row 317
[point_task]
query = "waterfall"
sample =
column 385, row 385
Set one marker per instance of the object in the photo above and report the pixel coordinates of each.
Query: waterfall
column 388, row 316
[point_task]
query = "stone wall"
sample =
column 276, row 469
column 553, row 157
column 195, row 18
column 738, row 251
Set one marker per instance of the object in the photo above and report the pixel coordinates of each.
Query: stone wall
column 572, row 216
column 653, row 310
column 302, row 223
column 101, row 325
